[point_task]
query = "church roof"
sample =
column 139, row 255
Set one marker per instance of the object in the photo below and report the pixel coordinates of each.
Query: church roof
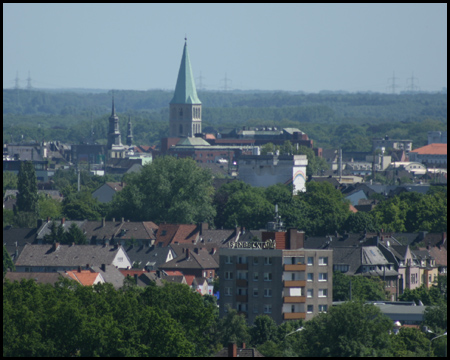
column 193, row 141
column 185, row 92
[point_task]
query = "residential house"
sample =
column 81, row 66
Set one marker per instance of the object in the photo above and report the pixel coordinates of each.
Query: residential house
column 15, row 239
column 176, row 234
column 428, row 270
column 86, row 277
column 149, row 258
column 39, row 277
column 110, row 274
column 56, row 257
column 106, row 192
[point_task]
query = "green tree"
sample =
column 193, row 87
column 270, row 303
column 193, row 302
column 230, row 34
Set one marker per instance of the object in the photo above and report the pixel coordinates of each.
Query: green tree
column 362, row 288
column 264, row 329
column 436, row 317
column 80, row 206
column 360, row 222
column 9, row 181
column 7, row 262
column 233, row 328
column 27, row 198
column 178, row 190
column 75, row 235
column 410, row 342
column 49, row 208
column 350, row 329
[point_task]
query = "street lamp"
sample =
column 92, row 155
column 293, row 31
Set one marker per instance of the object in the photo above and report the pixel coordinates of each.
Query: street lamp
column 299, row 329
column 444, row 334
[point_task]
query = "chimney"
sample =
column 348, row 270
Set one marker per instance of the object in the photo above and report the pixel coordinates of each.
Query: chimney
column 63, row 220
column 123, row 220
column 196, row 250
column 213, row 251
column 103, row 222
column 55, row 246
column 48, row 219
column 103, row 267
column 136, row 278
column 158, row 274
column 203, row 226
column 87, row 266
column 243, row 345
column 232, row 351
column 113, row 219
column 79, row 268
column 116, row 246
column 187, row 253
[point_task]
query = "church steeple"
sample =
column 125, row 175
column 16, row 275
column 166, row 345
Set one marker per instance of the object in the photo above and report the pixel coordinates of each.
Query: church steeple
column 185, row 106
column 113, row 132
column 130, row 133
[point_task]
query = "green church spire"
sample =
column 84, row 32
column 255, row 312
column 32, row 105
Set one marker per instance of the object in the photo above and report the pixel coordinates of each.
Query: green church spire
column 185, row 92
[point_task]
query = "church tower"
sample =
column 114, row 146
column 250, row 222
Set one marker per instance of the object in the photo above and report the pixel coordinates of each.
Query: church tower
column 130, row 133
column 115, row 148
column 185, row 106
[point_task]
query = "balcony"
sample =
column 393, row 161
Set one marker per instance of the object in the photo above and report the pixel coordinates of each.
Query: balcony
column 294, row 299
column 294, row 267
column 242, row 298
column 241, row 283
column 294, row 316
column 294, row 283
column 241, row 266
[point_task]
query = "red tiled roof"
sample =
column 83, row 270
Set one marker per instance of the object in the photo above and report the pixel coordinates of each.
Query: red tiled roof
column 189, row 279
column 210, row 136
column 117, row 186
column 171, row 233
column 432, row 149
column 353, row 209
column 84, row 277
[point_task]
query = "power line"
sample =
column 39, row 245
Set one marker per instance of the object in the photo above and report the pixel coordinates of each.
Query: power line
column 411, row 86
column 200, row 81
column 225, row 80
column 393, row 86
column 17, row 85
column 29, row 87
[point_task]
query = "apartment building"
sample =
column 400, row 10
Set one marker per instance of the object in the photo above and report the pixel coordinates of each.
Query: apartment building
column 275, row 277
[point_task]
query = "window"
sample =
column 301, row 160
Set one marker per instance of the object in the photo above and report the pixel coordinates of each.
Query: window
column 255, row 260
column 228, row 260
column 323, row 308
column 255, row 292
column 310, row 309
column 310, row 260
column 267, row 309
column 267, row 276
column 310, row 277
column 323, row 292
column 267, row 261
column 255, row 276
column 242, row 275
column 323, row 260
column 309, row 293
column 242, row 260
column 228, row 275
column 267, row 292
column 227, row 291
column 120, row 259
column 323, row 276
column 241, row 291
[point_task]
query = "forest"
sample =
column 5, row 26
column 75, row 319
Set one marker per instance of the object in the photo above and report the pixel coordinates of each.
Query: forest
column 331, row 120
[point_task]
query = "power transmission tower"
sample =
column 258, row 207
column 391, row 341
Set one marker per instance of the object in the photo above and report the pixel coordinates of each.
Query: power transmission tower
column 17, row 86
column 411, row 86
column 225, row 86
column 29, row 87
column 200, row 81
column 393, row 85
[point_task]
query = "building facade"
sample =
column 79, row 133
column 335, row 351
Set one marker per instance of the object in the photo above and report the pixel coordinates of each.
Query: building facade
column 286, row 284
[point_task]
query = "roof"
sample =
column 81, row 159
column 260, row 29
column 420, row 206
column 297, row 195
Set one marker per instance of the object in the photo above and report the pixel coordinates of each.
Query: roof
column 250, row 352
column 147, row 257
column 352, row 208
column 45, row 228
column 175, row 233
column 185, row 92
column 432, row 149
column 116, row 186
column 66, row 255
column 126, row 230
column 54, row 194
column 193, row 141
column 84, row 277
column 39, row 277
column 198, row 259
column 110, row 274
column 439, row 254
column 15, row 240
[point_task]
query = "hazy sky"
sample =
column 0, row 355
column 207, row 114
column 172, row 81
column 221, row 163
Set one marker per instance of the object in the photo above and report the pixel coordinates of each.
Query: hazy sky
column 309, row 47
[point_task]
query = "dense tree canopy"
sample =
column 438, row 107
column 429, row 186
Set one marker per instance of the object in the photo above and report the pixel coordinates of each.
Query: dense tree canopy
column 168, row 189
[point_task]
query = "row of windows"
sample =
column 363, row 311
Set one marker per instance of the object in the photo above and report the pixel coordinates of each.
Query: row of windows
column 268, row 308
column 243, row 275
column 268, row 260
column 244, row 260
column 244, row 291
column 322, row 293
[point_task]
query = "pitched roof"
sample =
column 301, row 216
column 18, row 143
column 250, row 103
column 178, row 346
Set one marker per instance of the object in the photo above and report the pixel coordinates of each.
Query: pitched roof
column 66, row 255
column 39, row 277
column 439, row 254
column 185, row 92
column 45, row 228
column 175, row 233
column 200, row 259
column 110, row 274
column 85, row 277
column 116, row 186
column 147, row 257
column 432, row 149
column 15, row 240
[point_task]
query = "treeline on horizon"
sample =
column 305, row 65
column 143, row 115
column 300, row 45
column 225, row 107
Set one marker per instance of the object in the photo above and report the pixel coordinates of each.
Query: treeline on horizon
column 331, row 120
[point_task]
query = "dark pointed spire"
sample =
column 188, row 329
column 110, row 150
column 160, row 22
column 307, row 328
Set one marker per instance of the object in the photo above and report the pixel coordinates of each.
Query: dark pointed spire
column 113, row 112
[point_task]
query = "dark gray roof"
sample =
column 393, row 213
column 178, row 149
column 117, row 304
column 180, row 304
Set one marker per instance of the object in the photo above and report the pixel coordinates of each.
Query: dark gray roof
column 147, row 256
column 66, row 255
column 45, row 228
column 111, row 275
column 15, row 240
column 39, row 277
column 200, row 259
column 218, row 238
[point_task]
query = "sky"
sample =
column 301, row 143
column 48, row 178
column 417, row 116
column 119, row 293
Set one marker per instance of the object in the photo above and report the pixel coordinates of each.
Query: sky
column 287, row 47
